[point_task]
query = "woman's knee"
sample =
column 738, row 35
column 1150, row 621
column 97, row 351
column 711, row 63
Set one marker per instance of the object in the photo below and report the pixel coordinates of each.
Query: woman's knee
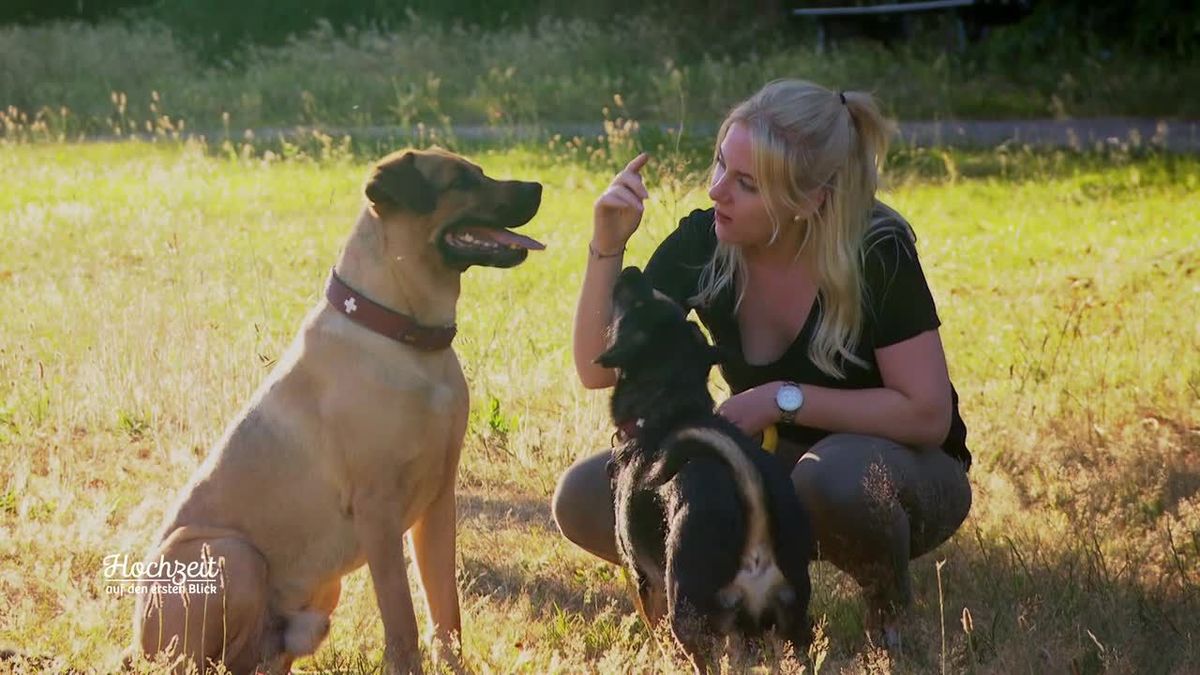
column 868, row 484
column 564, row 506
column 581, row 497
column 845, row 473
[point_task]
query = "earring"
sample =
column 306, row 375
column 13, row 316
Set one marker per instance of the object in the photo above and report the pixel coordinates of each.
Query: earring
column 796, row 218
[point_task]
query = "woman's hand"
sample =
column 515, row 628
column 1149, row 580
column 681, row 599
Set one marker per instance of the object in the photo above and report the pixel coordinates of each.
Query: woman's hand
column 618, row 211
column 752, row 410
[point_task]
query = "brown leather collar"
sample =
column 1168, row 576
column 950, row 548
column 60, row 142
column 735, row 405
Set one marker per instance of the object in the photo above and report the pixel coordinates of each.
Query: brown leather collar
column 626, row 431
column 389, row 323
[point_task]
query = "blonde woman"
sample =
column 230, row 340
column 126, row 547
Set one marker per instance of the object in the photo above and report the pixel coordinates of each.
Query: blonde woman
column 814, row 291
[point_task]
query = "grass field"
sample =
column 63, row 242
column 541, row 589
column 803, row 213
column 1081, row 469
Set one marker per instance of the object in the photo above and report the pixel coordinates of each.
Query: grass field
column 146, row 290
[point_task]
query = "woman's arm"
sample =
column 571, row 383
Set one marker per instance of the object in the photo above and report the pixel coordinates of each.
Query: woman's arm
column 913, row 407
column 616, row 215
column 593, row 315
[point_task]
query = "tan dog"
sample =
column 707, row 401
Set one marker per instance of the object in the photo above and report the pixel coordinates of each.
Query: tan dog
column 352, row 440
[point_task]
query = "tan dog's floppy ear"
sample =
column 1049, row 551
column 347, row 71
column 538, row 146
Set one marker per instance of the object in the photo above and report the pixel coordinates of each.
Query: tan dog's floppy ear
column 399, row 184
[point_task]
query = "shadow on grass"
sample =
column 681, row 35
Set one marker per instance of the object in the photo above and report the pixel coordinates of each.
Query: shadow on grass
column 1014, row 596
column 523, row 512
column 1019, row 601
column 506, row 578
column 508, row 575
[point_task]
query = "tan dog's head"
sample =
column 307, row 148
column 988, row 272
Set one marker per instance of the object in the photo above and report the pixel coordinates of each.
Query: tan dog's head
column 467, row 216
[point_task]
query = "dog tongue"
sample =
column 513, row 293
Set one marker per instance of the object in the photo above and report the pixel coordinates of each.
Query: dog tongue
column 506, row 237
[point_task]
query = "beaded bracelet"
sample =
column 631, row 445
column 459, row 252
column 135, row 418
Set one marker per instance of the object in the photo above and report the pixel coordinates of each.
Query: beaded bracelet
column 601, row 256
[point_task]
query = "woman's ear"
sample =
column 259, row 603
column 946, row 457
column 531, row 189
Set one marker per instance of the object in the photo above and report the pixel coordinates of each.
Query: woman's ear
column 813, row 200
column 816, row 197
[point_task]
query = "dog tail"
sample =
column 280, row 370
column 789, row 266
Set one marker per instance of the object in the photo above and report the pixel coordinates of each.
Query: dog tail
column 758, row 552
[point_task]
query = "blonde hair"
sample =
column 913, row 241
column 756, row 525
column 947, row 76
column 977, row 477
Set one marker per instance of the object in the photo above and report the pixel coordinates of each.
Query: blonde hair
column 804, row 137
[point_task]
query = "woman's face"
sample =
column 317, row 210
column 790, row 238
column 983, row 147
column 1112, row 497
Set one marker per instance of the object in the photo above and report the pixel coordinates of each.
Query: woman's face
column 741, row 213
column 741, row 218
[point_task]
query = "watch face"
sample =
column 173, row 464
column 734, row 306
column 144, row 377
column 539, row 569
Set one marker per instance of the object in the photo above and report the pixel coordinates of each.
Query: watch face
column 789, row 398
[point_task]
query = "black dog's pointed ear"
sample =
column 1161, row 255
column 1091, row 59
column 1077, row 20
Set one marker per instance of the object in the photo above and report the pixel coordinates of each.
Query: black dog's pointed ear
column 630, row 274
column 397, row 183
column 623, row 350
column 610, row 358
column 631, row 284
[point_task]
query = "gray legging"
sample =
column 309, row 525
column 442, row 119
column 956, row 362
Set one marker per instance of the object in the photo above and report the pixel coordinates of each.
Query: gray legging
column 874, row 504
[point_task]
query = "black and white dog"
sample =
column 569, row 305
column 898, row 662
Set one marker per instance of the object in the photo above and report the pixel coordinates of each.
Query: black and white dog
column 708, row 523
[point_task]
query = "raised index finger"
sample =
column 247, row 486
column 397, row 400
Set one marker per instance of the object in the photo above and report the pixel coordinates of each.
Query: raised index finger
column 635, row 165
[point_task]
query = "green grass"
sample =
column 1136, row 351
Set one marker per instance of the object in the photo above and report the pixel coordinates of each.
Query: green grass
column 147, row 288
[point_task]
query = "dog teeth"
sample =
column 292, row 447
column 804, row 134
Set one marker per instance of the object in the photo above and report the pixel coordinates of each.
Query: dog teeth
column 468, row 239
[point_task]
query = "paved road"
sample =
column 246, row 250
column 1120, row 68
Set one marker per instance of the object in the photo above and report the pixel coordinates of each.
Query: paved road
column 1176, row 135
column 1081, row 134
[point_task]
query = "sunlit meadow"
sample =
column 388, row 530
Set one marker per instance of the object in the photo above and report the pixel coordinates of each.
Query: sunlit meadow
column 148, row 287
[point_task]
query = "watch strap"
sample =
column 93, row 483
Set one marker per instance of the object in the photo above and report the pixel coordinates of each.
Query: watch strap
column 787, row 416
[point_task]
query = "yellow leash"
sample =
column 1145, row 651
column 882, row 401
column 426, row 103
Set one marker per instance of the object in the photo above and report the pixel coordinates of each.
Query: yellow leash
column 770, row 438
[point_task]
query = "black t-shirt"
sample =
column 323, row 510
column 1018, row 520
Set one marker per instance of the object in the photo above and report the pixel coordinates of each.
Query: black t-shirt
column 897, row 306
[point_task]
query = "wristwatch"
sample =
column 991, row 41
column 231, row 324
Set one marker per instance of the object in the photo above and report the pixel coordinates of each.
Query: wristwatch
column 789, row 398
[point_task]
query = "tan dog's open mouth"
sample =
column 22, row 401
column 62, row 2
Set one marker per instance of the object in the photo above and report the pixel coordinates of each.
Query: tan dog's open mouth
column 490, row 241
column 471, row 244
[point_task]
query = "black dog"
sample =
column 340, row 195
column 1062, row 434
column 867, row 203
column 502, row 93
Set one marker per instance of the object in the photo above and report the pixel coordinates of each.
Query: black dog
column 708, row 523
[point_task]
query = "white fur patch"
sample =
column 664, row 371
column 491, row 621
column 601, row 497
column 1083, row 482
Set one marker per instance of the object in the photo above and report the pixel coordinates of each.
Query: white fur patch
column 758, row 584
